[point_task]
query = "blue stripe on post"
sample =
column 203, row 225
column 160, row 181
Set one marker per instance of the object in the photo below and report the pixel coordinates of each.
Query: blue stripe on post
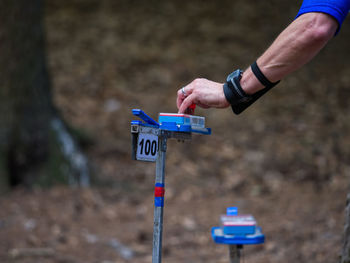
column 159, row 201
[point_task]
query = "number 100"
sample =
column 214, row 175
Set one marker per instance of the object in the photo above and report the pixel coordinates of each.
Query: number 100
column 148, row 147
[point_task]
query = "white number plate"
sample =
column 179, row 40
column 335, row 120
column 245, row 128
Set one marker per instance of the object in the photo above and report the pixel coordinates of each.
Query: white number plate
column 147, row 147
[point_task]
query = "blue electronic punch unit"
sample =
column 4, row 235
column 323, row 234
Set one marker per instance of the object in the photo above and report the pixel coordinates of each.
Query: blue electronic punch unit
column 237, row 229
column 192, row 122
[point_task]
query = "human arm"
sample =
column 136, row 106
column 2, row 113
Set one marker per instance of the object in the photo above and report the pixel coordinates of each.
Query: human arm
column 293, row 48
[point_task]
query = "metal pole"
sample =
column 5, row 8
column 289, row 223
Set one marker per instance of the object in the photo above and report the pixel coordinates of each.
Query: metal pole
column 235, row 253
column 159, row 201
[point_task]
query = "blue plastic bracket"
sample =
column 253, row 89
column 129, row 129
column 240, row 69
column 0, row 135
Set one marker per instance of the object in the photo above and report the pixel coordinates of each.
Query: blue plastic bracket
column 142, row 115
column 220, row 238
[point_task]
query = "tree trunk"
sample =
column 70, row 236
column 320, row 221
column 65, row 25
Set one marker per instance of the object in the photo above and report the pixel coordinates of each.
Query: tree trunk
column 30, row 149
column 345, row 257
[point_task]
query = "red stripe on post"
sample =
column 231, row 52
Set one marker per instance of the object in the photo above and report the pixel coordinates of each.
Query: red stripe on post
column 159, row 191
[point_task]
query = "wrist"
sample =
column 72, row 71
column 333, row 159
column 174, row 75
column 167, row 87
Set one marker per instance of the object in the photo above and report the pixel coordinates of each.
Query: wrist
column 243, row 89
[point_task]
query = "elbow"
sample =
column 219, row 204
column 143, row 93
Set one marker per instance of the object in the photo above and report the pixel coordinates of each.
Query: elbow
column 320, row 28
column 322, row 33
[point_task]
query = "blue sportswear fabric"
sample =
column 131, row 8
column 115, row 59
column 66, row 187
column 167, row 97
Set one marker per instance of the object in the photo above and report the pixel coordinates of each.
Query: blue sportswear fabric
column 335, row 8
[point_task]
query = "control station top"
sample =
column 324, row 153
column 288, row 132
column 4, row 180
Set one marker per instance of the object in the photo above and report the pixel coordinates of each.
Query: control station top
column 237, row 229
column 173, row 122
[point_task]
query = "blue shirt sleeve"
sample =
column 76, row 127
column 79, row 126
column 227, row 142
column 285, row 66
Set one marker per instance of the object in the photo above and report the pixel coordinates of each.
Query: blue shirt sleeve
column 336, row 8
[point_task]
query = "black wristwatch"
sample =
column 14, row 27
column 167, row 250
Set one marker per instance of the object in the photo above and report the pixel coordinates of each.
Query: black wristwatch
column 233, row 91
column 236, row 96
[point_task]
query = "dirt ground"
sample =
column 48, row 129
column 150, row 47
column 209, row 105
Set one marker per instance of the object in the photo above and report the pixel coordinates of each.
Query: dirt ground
column 285, row 160
column 301, row 224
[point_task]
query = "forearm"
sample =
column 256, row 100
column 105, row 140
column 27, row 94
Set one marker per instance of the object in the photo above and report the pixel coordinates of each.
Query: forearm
column 293, row 48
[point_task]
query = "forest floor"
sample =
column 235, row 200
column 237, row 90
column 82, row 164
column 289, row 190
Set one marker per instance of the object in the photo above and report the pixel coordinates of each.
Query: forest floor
column 285, row 160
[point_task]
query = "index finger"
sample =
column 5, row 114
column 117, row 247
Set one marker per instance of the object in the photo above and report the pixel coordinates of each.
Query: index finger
column 187, row 102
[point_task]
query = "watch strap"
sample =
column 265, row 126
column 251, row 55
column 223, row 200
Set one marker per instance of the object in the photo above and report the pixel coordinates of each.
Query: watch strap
column 238, row 108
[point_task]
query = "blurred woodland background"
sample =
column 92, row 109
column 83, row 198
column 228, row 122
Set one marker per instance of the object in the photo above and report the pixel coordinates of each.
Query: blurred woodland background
column 70, row 73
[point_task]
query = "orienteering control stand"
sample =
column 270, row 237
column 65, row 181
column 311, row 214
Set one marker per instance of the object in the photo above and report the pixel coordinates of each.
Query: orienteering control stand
column 149, row 143
column 236, row 231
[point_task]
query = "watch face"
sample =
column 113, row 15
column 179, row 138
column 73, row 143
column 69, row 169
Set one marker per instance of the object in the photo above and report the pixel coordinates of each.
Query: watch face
column 230, row 76
column 235, row 74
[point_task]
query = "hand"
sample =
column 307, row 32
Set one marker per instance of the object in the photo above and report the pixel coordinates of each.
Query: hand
column 202, row 92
